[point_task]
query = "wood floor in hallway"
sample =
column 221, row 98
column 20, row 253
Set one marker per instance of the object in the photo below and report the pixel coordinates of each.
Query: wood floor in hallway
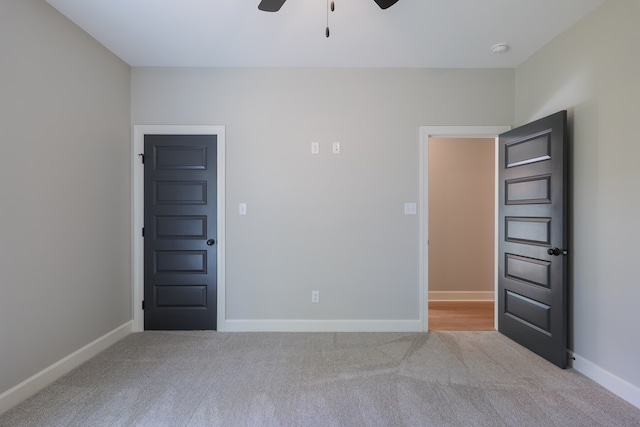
column 461, row 316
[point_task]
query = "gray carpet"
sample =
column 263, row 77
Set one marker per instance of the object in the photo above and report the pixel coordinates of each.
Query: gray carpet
column 321, row 379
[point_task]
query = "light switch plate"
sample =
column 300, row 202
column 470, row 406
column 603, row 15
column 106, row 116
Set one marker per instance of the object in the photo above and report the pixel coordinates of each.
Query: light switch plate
column 410, row 208
column 242, row 209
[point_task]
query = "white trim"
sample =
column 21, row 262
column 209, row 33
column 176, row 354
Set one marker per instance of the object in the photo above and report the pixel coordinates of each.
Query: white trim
column 137, row 214
column 324, row 325
column 496, row 227
column 461, row 295
column 423, row 209
column 37, row 382
column 427, row 132
column 612, row 382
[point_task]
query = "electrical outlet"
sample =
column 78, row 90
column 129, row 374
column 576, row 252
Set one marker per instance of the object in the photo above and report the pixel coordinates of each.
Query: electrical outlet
column 315, row 148
column 335, row 148
column 315, row 297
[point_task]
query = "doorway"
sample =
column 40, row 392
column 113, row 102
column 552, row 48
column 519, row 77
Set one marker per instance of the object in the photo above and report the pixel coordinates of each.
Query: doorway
column 138, row 192
column 461, row 213
column 455, row 262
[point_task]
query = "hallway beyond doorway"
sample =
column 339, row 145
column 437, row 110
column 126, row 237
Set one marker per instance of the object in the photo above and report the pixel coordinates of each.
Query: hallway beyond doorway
column 461, row 316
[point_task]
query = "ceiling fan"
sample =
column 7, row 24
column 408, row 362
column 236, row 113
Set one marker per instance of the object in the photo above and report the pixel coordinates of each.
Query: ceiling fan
column 275, row 5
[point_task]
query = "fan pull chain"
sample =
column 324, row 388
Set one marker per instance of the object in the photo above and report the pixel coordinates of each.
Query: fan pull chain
column 330, row 7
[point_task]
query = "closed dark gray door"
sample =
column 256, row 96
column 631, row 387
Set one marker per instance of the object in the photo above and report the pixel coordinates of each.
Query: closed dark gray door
column 180, row 268
column 532, row 264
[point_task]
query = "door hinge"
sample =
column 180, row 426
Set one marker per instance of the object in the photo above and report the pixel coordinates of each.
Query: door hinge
column 142, row 231
column 141, row 157
column 143, row 304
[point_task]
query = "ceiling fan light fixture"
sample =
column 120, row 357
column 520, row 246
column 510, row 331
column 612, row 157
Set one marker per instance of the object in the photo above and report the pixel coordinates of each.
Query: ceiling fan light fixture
column 271, row 5
column 500, row 48
column 275, row 5
column 385, row 4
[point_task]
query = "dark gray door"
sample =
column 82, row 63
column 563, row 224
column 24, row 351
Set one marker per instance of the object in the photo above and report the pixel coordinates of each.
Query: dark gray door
column 532, row 263
column 180, row 268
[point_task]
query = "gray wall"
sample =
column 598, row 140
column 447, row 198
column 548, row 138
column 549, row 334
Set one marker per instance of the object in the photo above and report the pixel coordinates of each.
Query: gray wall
column 64, row 187
column 333, row 223
column 592, row 70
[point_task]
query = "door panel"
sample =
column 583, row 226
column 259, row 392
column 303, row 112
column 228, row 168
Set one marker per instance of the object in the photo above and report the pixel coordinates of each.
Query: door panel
column 532, row 285
column 180, row 231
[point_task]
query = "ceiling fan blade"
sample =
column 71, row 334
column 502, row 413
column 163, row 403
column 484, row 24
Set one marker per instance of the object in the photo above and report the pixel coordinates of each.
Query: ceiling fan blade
column 385, row 3
column 272, row 5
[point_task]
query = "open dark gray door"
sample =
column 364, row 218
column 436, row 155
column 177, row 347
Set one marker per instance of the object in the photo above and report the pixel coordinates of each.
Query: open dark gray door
column 180, row 271
column 532, row 262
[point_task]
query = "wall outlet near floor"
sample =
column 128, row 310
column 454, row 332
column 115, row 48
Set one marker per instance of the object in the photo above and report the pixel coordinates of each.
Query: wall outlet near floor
column 315, row 297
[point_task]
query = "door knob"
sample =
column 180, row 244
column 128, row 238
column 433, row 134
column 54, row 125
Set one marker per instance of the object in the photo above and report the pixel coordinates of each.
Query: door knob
column 556, row 251
column 211, row 242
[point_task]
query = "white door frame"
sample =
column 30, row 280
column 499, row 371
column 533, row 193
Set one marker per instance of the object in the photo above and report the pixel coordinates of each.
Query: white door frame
column 137, row 215
column 427, row 132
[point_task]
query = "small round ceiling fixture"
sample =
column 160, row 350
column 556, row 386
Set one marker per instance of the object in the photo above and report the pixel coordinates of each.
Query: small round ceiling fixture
column 500, row 48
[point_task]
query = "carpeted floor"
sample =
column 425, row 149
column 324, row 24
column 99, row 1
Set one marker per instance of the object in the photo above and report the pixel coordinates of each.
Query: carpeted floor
column 321, row 379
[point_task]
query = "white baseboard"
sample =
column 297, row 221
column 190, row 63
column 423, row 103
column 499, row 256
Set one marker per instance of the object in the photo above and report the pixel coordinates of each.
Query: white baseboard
column 461, row 296
column 37, row 382
column 323, row 326
column 611, row 382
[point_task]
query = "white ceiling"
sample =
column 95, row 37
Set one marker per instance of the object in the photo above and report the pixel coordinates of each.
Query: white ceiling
column 412, row 33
